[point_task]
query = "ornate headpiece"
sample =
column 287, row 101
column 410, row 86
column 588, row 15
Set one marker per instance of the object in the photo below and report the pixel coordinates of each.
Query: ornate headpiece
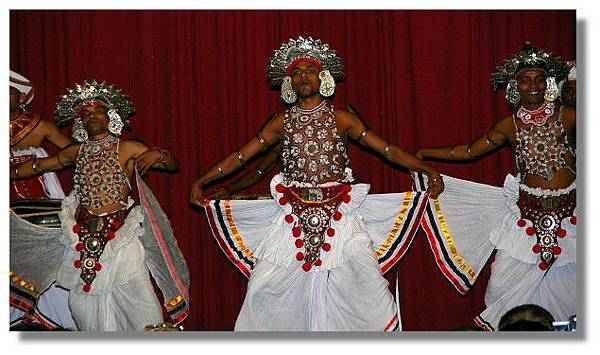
column 92, row 93
column 529, row 57
column 303, row 49
column 22, row 84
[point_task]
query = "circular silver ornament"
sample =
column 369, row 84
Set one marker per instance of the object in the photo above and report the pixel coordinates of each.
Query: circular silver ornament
column 92, row 244
column 89, row 263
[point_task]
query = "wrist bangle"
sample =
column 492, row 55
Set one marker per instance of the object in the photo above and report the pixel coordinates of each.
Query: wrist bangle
column 220, row 169
column 34, row 166
column 362, row 135
column 241, row 158
column 386, row 151
column 469, row 153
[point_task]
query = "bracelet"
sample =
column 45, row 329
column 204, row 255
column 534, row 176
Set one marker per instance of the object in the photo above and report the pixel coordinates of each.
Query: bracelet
column 163, row 153
column 386, row 151
column 489, row 139
column 240, row 158
column 261, row 140
column 469, row 152
column 220, row 169
column 34, row 166
column 452, row 152
column 362, row 135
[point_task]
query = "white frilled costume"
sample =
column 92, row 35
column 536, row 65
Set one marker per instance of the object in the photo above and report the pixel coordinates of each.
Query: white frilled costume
column 470, row 220
column 316, row 253
column 532, row 229
column 104, row 260
column 344, row 289
column 122, row 297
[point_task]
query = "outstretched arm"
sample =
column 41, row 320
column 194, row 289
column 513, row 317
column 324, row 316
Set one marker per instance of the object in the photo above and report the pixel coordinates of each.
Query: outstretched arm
column 251, row 177
column 53, row 135
column 358, row 131
column 269, row 135
column 494, row 138
column 37, row 166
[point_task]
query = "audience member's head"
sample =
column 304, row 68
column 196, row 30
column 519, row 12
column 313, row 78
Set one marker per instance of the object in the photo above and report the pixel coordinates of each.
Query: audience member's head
column 527, row 317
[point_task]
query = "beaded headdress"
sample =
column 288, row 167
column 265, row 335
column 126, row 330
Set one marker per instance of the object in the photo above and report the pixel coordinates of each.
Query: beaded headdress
column 92, row 93
column 529, row 57
column 295, row 50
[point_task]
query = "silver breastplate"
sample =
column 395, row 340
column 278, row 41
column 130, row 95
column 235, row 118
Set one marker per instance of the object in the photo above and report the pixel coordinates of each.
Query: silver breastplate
column 312, row 150
column 541, row 150
column 99, row 179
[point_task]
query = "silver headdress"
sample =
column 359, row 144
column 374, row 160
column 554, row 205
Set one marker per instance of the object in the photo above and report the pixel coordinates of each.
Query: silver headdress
column 529, row 57
column 301, row 48
column 89, row 93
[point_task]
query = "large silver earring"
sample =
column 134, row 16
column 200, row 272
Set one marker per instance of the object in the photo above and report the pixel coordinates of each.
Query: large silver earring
column 512, row 93
column 287, row 92
column 552, row 90
column 327, row 87
column 79, row 133
column 115, row 125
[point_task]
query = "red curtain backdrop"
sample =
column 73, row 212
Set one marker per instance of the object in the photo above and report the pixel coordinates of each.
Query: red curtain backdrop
column 419, row 78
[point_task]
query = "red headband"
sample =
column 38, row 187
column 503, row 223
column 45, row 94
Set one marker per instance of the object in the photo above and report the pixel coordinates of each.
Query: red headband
column 89, row 103
column 309, row 60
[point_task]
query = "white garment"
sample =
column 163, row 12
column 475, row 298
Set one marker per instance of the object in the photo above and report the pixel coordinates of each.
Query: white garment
column 464, row 226
column 122, row 297
column 53, row 303
column 348, row 291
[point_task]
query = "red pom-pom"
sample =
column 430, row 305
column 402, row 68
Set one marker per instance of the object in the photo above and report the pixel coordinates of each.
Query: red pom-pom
column 347, row 188
column 299, row 256
column 521, row 223
column 346, row 198
column 283, row 201
column 326, row 247
column 543, row 266
column 87, row 288
column 280, row 188
column 296, row 231
column 116, row 225
column 318, row 262
column 306, row 267
column 79, row 246
column 536, row 248
column 337, row 216
column 530, row 231
column 98, row 267
column 557, row 250
column 76, row 229
column 573, row 220
column 561, row 233
column 289, row 218
column 110, row 235
column 299, row 243
column 331, row 232
column 77, row 264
